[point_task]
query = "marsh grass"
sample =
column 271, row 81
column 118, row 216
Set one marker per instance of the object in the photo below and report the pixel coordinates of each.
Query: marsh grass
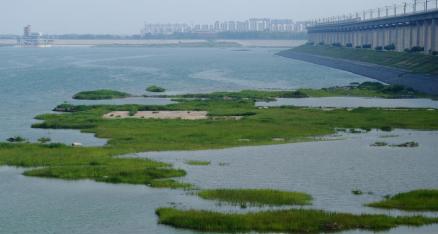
column 258, row 197
column 155, row 89
column 95, row 163
column 418, row 200
column 135, row 135
column 197, row 163
column 100, row 95
column 290, row 221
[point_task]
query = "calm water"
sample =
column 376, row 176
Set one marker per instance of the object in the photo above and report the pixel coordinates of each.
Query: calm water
column 353, row 102
column 33, row 81
column 328, row 170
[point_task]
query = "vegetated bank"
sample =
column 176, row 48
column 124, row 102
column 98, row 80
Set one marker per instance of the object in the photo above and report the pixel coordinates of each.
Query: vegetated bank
column 414, row 70
column 355, row 89
column 257, row 197
column 258, row 126
column 100, row 94
column 418, row 200
column 290, row 221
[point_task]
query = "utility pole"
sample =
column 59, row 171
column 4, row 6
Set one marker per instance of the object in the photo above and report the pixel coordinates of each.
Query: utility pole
column 415, row 6
column 404, row 7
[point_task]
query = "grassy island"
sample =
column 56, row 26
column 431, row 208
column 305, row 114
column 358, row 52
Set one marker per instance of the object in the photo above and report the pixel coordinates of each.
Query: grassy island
column 418, row 200
column 97, row 163
column 258, row 126
column 365, row 89
column 100, row 95
column 155, row 89
column 257, row 197
column 290, row 221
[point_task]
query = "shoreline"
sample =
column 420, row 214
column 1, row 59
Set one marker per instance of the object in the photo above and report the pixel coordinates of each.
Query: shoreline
column 268, row 43
column 420, row 82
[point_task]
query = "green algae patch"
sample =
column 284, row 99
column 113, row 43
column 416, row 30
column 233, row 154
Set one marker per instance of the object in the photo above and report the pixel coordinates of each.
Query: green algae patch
column 418, row 200
column 290, row 221
column 257, row 197
column 101, row 94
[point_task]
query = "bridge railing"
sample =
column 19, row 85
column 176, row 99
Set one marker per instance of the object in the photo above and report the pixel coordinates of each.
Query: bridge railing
column 406, row 8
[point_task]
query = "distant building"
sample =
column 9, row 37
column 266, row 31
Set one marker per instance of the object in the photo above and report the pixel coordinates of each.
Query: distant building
column 30, row 39
column 251, row 25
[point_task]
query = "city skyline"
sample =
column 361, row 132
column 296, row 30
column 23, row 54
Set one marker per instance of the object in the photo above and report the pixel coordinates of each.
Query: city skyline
column 249, row 25
column 117, row 17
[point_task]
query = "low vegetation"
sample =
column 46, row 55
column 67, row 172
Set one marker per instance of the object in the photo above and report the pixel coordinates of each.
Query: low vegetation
column 258, row 126
column 253, row 95
column 95, row 163
column 290, row 221
column 413, row 62
column 366, row 89
column 197, row 163
column 155, row 89
column 100, row 95
column 418, row 200
column 258, row 197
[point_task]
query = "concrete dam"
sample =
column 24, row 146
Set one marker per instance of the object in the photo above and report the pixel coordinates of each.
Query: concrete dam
column 401, row 27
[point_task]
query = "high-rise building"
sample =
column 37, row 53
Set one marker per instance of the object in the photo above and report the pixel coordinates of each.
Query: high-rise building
column 251, row 25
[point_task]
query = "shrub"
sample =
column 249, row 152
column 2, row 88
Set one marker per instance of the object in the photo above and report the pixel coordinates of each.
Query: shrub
column 155, row 89
column 415, row 49
column 44, row 140
column 337, row 44
column 349, row 45
column 378, row 48
column 17, row 139
column 390, row 47
column 366, row 46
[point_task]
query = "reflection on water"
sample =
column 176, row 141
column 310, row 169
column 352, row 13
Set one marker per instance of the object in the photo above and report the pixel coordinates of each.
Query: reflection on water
column 353, row 102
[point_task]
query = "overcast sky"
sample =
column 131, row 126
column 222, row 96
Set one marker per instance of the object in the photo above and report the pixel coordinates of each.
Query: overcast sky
column 128, row 16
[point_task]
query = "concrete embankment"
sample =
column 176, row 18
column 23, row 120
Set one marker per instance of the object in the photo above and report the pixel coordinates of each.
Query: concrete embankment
column 420, row 82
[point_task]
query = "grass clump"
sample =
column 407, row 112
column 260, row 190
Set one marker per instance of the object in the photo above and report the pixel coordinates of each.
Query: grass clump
column 155, row 89
column 418, row 200
column 256, row 197
column 411, row 144
column 379, row 144
column 290, row 221
column 16, row 139
column 100, row 95
column 197, row 163
column 94, row 163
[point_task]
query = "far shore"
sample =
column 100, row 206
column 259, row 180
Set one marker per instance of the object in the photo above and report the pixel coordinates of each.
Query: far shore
column 243, row 43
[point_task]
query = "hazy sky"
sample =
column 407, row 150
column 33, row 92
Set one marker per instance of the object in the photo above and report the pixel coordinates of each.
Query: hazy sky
column 128, row 16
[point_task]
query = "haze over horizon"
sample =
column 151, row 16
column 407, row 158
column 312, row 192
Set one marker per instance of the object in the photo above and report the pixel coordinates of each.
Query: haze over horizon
column 120, row 17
